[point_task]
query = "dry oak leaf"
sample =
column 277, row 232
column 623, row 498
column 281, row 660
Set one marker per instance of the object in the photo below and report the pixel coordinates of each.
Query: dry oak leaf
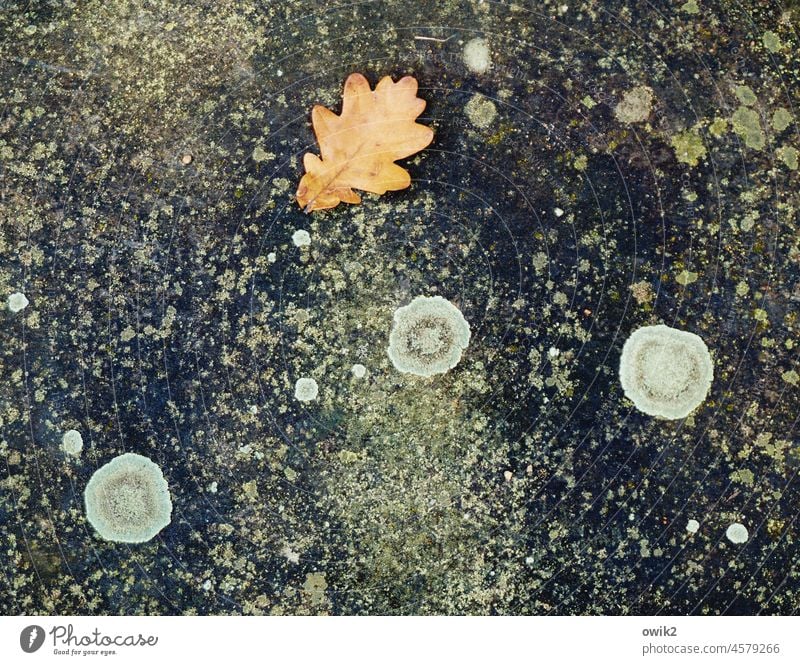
column 359, row 146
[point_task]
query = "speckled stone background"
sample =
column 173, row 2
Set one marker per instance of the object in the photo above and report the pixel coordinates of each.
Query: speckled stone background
column 620, row 164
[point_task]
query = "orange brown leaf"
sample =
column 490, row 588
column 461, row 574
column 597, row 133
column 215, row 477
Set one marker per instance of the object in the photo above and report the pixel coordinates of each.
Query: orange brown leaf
column 359, row 147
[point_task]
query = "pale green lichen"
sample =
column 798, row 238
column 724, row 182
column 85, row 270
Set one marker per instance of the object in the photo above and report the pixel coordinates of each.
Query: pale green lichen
column 745, row 95
column 481, row 111
column 771, row 41
column 260, row 155
column 744, row 476
column 690, row 7
column 689, row 147
column 686, row 277
column 718, row 127
column 791, row 377
column 665, row 372
column 788, row 155
column 127, row 500
column 428, row 336
column 781, row 119
column 747, row 125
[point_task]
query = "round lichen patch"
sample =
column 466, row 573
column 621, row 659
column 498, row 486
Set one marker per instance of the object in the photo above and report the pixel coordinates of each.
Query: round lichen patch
column 477, row 56
column 428, row 336
column 127, row 500
column 72, row 442
column 665, row 372
column 306, row 389
column 635, row 106
column 737, row 533
column 17, row 302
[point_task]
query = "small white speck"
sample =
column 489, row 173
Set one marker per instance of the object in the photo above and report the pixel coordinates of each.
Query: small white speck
column 17, row 302
column 529, row 560
column 213, row 487
column 272, row 257
column 692, row 526
column 558, row 212
column 253, row 409
column 306, row 390
column 72, row 442
column 553, row 352
column 301, row 238
column 207, row 585
column 279, row 72
column 737, row 533
column 359, row 371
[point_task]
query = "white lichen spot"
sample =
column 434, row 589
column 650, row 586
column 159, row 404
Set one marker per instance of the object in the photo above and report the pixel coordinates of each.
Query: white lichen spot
column 737, row 533
column 693, row 526
column 72, row 442
column 17, row 302
column 558, row 212
column 665, row 372
column 301, row 238
column 127, row 500
column 359, row 371
column 306, row 389
column 272, row 257
column 428, row 336
column 477, row 57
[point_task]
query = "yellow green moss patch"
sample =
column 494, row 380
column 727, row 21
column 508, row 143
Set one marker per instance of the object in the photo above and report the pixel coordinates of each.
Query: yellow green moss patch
column 719, row 127
column 689, row 148
column 686, row 277
column 771, row 41
column 690, row 7
column 791, row 377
